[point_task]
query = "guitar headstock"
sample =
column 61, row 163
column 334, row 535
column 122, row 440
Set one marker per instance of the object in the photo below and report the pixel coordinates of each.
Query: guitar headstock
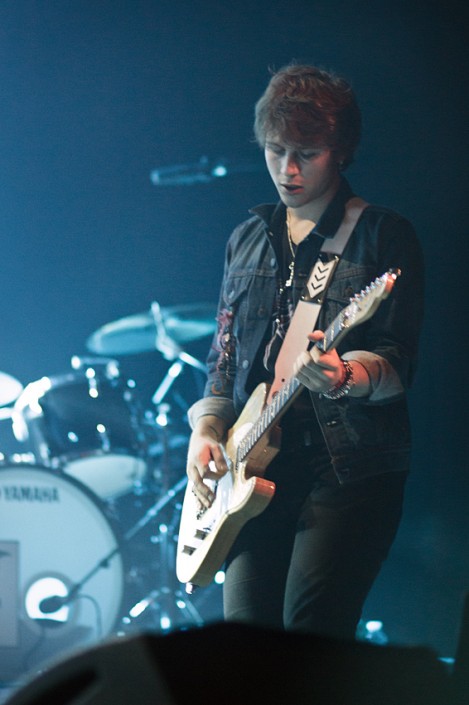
column 363, row 305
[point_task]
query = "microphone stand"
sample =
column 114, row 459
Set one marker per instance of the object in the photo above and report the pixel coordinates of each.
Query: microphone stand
column 62, row 601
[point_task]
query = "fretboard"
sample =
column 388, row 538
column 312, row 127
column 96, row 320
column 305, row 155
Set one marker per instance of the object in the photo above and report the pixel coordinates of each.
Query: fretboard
column 270, row 416
column 288, row 392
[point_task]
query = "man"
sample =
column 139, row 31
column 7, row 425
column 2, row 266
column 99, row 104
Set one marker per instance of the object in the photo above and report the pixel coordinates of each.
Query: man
column 309, row 560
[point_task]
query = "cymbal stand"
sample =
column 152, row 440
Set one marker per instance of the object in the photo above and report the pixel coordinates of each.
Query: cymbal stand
column 170, row 351
column 163, row 600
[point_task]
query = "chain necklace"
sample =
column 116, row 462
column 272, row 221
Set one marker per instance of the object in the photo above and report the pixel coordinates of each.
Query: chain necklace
column 291, row 266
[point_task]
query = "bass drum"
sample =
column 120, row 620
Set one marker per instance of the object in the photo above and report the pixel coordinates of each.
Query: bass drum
column 86, row 423
column 54, row 539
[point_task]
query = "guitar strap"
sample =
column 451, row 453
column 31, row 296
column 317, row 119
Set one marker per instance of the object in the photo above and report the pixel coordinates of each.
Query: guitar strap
column 308, row 307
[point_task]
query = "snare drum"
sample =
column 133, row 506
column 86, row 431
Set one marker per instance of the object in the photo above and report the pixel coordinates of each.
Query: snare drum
column 53, row 535
column 86, row 423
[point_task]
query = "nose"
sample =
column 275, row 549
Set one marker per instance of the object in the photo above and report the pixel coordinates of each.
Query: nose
column 289, row 164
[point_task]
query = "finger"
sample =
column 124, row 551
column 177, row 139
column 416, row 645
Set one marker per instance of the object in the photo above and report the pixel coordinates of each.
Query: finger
column 310, row 363
column 301, row 362
column 316, row 335
column 217, row 465
column 310, row 377
column 203, row 492
column 317, row 376
column 327, row 364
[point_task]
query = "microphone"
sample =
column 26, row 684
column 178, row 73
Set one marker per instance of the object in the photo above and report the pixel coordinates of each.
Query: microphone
column 201, row 172
column 54, row 603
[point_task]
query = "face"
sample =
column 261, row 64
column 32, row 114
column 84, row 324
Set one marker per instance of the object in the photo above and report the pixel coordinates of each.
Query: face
column 303, row 177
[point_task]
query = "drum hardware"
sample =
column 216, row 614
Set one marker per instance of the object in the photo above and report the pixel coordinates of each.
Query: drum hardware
column 167, row 604
column 161, row 418
column 109, row 365
column 171, row 351
column 173, row 373
column 167, row 601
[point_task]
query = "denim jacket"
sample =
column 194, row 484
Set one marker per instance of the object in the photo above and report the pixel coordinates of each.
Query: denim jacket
column 364, row 436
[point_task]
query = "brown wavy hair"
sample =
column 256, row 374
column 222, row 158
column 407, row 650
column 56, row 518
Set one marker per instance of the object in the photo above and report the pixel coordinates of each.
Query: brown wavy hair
column 306, row 106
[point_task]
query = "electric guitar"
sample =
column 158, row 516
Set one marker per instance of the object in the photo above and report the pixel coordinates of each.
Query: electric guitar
column 206, row 535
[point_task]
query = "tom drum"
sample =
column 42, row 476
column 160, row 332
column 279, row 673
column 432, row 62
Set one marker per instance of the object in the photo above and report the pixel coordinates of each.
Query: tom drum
column 87, row 424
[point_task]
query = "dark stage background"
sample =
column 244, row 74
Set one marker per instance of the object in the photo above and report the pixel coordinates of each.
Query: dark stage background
column 95, row 95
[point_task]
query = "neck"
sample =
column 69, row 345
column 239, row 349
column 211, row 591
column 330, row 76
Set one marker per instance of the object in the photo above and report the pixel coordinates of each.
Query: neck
column 298, row 228
column 304, row 218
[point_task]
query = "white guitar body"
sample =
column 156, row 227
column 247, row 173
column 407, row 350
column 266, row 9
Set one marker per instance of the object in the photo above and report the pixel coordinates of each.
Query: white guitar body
column 205, row 538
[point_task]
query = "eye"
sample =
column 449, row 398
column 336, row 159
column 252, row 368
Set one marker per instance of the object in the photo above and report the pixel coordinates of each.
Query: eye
column 275, row 148
column 309, row 154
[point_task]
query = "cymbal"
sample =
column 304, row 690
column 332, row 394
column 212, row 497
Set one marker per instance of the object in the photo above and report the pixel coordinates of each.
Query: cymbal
column 137, row 333
column 10, row 389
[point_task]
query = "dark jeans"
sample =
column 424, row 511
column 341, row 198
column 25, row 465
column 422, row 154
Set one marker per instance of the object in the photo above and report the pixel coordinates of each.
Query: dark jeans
column 309, row 560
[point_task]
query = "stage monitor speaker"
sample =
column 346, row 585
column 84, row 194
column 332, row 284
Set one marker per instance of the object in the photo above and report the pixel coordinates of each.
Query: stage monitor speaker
column 232, row 664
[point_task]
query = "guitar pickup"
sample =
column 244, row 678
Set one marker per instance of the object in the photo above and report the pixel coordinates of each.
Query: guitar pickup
column 188, row 550
column 201, row 534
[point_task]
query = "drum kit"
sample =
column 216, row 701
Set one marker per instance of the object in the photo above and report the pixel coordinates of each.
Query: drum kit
column 90, row 506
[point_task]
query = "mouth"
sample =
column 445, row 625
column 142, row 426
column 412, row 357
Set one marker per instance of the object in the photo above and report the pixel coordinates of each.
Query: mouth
column 291, row 188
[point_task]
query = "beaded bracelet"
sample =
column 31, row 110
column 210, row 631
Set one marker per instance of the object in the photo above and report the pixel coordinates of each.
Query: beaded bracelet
column 343, row 388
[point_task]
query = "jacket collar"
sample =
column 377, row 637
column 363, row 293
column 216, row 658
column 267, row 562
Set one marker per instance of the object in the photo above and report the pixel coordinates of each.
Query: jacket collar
column 273, row 215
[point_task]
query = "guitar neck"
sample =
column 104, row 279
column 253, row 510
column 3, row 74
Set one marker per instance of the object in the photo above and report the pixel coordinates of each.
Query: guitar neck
column 361, row 308
column 287, row 393
column 271, row 415
column 334, row 333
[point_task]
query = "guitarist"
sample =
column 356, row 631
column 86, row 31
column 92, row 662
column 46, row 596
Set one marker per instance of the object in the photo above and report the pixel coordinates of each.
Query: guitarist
column 309, row 560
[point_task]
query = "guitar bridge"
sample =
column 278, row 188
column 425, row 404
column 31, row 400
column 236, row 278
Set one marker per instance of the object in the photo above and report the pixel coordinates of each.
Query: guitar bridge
column 200, row 513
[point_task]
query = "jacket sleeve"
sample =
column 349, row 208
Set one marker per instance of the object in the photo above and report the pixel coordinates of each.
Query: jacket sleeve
column 390, row 349
column 221, row 362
